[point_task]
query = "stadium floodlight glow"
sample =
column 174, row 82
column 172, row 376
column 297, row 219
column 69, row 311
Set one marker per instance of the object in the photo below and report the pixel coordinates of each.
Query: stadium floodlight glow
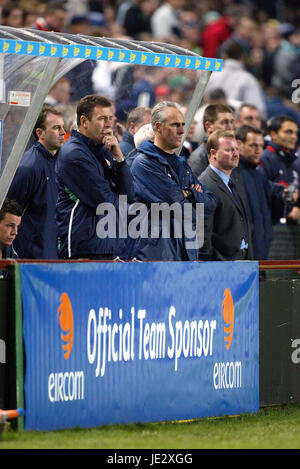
column 33, row 61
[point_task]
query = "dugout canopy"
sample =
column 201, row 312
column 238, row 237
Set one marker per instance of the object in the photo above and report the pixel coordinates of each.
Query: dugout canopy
column 32, row 61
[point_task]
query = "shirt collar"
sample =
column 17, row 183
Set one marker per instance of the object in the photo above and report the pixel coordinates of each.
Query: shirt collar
column 222, row 175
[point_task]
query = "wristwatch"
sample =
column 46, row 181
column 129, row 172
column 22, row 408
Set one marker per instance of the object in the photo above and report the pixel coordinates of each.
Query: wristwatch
column 121, row 160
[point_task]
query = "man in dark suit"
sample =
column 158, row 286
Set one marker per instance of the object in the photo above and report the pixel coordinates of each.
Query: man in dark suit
column 227, row 232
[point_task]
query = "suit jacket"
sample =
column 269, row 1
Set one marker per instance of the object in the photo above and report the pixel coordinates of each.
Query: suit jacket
column 224, row 230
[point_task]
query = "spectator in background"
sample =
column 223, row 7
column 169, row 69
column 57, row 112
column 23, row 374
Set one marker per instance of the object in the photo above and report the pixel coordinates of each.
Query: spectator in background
column 10, row 219
column 286, row 60
column 216, row 116
column 271, row 42
column 59, row 93
column 227, row 232
column 12, row 15
column 79, row 25
column 189, row 30
column 135, row 17
column 236, row 81
column 136, row 118
column 122, row 10
column 165, row 20
column 215, row 31
column 244, row 30
column 34, row 188
column 248, row 114
column 54, row 18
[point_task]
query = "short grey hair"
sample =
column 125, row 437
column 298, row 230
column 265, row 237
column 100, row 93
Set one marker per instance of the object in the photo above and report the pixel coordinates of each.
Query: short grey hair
column 158, row 113
column 144, row 133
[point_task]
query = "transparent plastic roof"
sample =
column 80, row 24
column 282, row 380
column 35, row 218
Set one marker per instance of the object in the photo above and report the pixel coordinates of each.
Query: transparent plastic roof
column 31, row 61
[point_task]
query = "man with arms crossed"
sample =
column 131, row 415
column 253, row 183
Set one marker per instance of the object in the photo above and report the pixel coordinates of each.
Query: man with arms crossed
column 163, row 177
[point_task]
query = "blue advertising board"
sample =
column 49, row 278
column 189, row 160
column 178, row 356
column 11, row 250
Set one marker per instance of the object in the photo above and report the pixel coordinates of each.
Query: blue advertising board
column 113, row 343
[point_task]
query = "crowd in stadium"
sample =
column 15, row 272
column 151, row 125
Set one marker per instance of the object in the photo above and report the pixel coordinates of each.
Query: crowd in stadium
column 239, row 159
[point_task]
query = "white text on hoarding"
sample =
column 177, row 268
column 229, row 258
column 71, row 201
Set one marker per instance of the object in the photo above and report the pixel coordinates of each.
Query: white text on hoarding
column 68, row 386
column 227, row 375
column 115, row 342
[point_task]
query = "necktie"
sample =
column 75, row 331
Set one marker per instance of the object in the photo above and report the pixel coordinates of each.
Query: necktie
column 234, row 191
column 235, row 194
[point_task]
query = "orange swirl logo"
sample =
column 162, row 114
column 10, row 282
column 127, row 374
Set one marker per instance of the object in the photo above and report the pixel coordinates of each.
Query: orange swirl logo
column 65, row 318
column 228, row 316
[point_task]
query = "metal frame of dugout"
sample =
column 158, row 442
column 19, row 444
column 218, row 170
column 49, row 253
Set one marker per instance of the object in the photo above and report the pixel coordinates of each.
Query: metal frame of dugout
column 32, row 61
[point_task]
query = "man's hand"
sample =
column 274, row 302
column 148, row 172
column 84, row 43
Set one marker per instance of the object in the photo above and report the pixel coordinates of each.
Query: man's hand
column 197, row 187
column 112, row 144
column 294, row 214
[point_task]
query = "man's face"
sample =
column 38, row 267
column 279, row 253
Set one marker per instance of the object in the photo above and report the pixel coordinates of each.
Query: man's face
column 15, row 18
column 224, row 121
column 52, row 137
column 249, row 116
column 169, row 134
column 286, row 136
column 226, row 157
column 252, row 148
column 9, row 228
column 146, row 119
column 99, row 124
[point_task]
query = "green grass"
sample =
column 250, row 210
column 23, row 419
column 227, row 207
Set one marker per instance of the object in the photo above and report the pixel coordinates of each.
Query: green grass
column 273, row 427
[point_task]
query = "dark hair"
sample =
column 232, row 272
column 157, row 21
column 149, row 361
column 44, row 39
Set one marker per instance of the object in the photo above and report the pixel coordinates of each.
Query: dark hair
column 8, row 8
column 276, row 122
column 52, row 7
column 234, row 50
column 87, row 104
column 212, row 110
column 40, row 123
column 244, row 130
column 10, row 206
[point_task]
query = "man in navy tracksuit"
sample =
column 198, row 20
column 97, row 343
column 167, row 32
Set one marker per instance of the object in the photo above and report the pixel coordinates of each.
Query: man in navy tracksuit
column 264, row 199
column 91, row 175
column 279, row 161
column 34, row 188
column 162, row 177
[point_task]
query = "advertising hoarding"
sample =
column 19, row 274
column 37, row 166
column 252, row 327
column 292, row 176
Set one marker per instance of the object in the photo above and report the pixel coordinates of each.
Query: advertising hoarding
column 113, row 343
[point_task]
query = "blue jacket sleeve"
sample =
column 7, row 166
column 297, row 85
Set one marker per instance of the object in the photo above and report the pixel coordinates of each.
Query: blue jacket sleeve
column 22, row 186
column 85, row 179
column 154, row 185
